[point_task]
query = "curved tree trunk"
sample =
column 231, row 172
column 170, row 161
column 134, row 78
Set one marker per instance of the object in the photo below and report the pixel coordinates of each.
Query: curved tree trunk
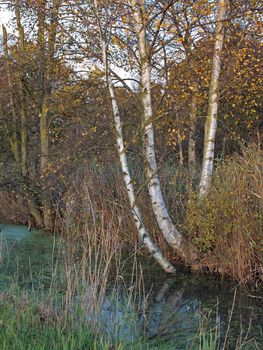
column 170, row 232
column 211, row 120
column 136, row 213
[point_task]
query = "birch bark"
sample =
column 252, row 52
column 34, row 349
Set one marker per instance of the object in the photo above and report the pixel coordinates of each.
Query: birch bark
column 169, row 231
column 211, row 120
column 136, row 213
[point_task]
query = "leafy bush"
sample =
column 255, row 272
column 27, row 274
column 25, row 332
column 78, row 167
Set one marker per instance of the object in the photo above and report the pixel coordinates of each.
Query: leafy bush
column 227, row 224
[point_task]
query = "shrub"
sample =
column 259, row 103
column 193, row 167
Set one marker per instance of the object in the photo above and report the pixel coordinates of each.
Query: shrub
column 227, row 224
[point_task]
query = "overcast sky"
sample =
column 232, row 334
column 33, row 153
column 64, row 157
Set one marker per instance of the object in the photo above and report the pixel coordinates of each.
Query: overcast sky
column 4, row 16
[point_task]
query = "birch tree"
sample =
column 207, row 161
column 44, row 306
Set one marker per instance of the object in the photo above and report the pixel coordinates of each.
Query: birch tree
column 188, row 19
column 136, row 213
column 211, row 120
column 169, row 231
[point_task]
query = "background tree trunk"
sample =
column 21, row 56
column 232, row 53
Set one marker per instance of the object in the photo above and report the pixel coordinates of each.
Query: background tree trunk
column 192, row 139
column 14, row 142
column 46, row 73
column 21, row 46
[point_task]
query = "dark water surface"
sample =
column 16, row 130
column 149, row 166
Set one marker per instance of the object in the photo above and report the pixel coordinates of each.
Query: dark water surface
column 175, row 308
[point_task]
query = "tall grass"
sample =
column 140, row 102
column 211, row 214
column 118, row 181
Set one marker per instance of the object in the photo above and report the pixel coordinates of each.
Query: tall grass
column 68, row 313
column 216, row 335
column 89, row 304
column 226, row 228
column 13, row 208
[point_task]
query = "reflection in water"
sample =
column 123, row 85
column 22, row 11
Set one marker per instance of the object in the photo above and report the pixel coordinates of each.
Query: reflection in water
column 170, row 307
column 177, row 307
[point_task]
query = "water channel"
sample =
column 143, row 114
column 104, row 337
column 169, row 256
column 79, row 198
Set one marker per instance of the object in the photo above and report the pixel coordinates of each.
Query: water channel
column 175, row 305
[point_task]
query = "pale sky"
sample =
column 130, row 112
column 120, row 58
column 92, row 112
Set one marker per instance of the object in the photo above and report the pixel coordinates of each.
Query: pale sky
column 4, row 16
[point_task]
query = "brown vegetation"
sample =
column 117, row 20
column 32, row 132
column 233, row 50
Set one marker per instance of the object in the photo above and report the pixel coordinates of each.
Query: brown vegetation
column 227, row 226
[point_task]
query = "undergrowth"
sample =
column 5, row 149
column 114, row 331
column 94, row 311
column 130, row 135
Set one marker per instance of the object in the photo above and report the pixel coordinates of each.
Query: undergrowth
column 227, row 225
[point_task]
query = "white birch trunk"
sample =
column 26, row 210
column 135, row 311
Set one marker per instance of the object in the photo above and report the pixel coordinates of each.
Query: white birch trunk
column 136, row 213
column 211, row 121
column 169, row 231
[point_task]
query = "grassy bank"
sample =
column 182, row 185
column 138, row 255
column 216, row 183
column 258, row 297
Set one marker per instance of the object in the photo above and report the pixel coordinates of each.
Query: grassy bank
column 27, row 325
column 30, row 322
column 58, row 306
column 47, row 321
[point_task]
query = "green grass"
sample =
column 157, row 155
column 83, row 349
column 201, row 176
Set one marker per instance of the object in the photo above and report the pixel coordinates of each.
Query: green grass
column 31, row 323
column 43, row 321
column 28, row 326
column 24, row 327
